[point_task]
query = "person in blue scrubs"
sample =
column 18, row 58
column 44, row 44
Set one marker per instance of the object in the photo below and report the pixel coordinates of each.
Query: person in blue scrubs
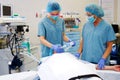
column 97, row 37
column 51, row 31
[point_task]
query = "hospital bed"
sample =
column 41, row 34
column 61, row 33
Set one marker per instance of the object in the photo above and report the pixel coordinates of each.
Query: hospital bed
column 30, row 75
column 108, row 74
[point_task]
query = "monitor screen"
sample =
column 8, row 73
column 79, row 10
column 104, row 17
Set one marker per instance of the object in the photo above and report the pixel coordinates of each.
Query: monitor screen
column 72, row 22
column 6, row 10
column 115, row 28
column 0, row 11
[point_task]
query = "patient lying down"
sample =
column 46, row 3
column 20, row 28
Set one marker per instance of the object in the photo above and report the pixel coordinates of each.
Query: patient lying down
column 67, row 67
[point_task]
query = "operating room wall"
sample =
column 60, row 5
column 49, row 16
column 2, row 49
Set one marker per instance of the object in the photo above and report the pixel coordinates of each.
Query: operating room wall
column 118, row 14
column 29, row 8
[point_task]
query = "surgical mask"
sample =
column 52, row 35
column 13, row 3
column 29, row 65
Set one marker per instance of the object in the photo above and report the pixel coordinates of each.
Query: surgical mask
column 54, row 17
column 91, row 19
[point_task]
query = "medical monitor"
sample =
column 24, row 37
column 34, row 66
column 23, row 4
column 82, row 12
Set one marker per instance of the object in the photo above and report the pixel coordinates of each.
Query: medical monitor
column 115, row 28
column 5, row 10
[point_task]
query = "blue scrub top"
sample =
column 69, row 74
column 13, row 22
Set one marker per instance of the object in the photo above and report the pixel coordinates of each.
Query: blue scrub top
column 53, row 33
column 95, row 40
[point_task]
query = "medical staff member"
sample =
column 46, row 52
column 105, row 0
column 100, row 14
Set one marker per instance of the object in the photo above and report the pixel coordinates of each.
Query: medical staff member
column 51, row 31
column 97, row 37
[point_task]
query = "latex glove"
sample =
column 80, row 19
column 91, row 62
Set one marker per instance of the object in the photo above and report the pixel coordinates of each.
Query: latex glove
column 57, row 48
column 77, row 55
column 101, row 63
column 72, row 43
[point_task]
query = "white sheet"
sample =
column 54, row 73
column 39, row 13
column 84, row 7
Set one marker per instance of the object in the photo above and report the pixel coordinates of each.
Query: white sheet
column 20, row 76
column 109, row 75
column 105, row 74
column 63, row 67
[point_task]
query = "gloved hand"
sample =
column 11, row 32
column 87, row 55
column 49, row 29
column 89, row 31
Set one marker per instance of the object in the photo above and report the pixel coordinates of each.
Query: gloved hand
column 101, row 63
column 72, row 43
column 57, row 48
column 77, row 55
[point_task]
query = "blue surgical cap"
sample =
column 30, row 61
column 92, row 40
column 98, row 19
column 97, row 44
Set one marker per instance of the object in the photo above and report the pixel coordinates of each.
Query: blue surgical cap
column 95, row 9
column 53, row 6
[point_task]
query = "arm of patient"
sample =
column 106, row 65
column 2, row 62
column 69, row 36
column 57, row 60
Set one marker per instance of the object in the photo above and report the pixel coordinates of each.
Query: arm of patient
column 115, row 68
